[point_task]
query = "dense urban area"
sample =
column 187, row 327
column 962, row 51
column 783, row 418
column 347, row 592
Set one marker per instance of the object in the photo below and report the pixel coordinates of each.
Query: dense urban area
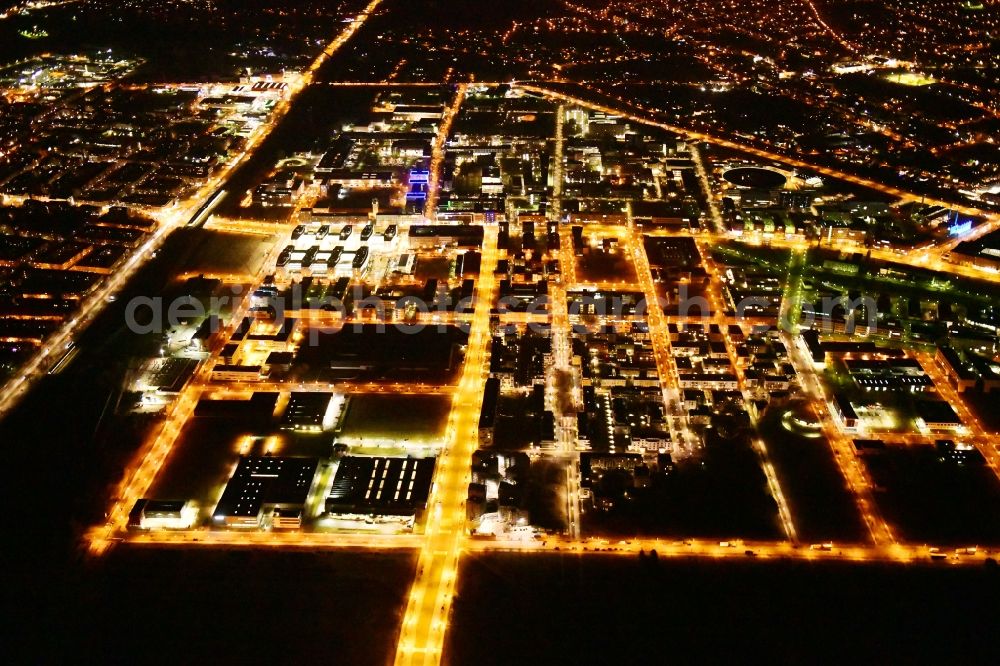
column 464, row 312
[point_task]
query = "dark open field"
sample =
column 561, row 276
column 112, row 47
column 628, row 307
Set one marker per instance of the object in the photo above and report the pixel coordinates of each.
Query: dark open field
column 570, row 609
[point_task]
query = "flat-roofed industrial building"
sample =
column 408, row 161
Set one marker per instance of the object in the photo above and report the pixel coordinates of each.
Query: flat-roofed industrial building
column 311, row 411
column 381, row 486
column 263, row 483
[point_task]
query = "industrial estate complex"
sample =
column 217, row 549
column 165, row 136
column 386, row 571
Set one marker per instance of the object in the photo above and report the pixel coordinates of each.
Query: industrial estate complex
column 459, row 313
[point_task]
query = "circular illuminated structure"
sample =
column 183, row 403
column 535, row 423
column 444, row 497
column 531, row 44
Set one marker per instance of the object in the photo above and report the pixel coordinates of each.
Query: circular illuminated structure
column 758, row 177
column 293, row 163
column 798, row 420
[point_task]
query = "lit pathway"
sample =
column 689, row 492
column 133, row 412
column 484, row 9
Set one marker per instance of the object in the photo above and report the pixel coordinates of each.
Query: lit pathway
column 429, row 602
column 438, row 151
